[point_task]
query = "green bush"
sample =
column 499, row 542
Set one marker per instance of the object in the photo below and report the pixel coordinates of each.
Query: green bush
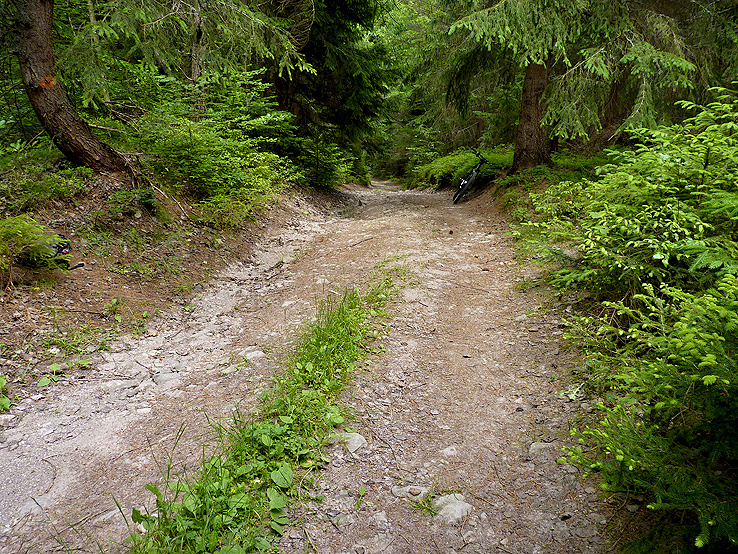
column 125, row 202
column 29, row 186
column 323, row 163
column 670, row 424
column 24, row 235
column 230, row 177
column 657, row 233
column 447, row 170
column 664, row 212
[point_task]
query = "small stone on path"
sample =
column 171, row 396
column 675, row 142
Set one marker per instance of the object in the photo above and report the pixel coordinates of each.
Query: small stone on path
column 452, row 509
column 413, row 493
column 354, row 441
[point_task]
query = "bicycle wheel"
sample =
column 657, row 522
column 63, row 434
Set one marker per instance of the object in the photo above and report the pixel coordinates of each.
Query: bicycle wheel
column 464, row 186
column 460, row 191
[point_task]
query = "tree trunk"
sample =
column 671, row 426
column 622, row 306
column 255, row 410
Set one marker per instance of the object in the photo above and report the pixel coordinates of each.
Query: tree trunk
column 532, row 145
column 69, row 132
column 199, row 96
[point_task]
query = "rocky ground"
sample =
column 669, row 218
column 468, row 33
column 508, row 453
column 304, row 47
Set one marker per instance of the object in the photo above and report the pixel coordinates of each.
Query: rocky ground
column 459, row 421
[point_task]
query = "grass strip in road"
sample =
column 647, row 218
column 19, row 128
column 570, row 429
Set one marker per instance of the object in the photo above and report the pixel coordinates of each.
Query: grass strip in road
column 238, row 503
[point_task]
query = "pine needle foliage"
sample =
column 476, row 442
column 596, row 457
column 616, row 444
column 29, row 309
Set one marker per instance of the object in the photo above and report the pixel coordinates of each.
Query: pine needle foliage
column 609, row 61
column 663, row 212
column 657, row 244
column 22, row 234
column 533, row 31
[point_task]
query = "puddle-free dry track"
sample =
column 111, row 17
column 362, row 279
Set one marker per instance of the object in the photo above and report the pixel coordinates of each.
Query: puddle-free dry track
column 463, row 399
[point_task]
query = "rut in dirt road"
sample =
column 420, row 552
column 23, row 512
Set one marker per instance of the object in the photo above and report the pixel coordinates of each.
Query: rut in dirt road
column 464, row 399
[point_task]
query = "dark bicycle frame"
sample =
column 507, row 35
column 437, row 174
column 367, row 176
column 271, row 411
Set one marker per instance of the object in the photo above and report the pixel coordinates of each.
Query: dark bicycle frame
column 466, row 183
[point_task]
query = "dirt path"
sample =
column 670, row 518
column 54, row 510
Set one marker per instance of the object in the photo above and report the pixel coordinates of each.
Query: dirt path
column 464, row 399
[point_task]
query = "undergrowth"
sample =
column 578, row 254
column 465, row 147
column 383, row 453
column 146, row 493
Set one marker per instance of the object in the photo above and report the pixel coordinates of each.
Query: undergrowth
column 265, row 461
column 652, row 241
column 4, row 400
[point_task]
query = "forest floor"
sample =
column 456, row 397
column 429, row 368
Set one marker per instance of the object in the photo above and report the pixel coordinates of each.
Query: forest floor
column 471, row 394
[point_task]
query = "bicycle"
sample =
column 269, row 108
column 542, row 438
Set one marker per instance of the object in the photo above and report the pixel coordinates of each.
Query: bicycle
column 466, row 182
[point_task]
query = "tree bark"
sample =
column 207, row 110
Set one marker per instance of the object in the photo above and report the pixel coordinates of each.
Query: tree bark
column 69, row 132
column 532, row 144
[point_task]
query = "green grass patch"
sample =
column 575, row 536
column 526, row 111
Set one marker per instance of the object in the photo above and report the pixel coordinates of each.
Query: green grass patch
column 4, row 400
column 74, row 341
column 238, row 503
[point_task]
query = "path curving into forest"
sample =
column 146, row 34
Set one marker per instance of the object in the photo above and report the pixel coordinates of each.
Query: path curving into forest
column 464, row 399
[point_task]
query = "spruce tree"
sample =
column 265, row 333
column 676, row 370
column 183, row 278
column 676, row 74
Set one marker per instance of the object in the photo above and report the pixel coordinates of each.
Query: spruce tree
column 31, row 22
column 598, row 66
column 536, row 34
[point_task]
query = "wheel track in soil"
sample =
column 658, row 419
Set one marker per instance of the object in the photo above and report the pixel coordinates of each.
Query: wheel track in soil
column 464, row 398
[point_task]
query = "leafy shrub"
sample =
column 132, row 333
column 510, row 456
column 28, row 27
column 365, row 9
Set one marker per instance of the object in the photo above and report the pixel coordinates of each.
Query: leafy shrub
column 223, row 157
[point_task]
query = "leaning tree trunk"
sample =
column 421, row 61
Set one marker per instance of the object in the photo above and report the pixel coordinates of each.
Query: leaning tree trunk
column 532, row 144
column 67, row 129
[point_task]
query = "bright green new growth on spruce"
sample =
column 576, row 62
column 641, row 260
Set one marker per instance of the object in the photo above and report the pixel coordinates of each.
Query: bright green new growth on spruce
column 664, row 212
column 656, row 240
column 669, row 425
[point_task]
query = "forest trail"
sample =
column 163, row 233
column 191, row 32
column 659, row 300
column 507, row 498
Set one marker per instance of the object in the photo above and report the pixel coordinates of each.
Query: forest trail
column 464, row 398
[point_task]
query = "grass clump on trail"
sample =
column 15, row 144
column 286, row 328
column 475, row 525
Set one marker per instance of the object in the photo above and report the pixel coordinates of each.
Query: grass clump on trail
column 654, row 247
column 238, row 503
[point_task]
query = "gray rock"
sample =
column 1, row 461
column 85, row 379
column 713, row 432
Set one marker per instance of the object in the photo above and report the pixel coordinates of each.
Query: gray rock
column 354, row 441
column 413, row 493
column 166, row 379
column 450, row 451
column 119, row 384
column 36, row 505
column 540, row 449
column 7, row 419
column 585, row 531
column 452, row 509
column 343, row 520
column 254, row 355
